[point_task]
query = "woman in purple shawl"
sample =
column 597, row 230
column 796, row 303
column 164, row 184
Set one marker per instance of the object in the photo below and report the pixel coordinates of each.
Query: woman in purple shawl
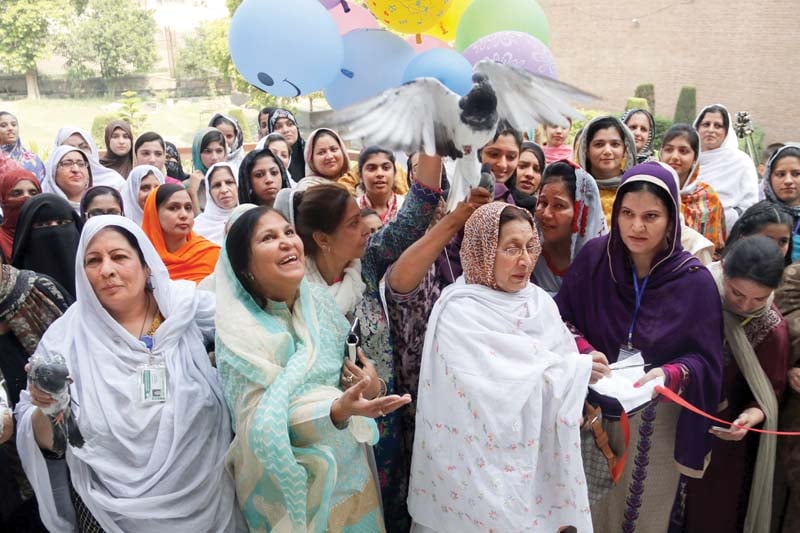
column 678, row 330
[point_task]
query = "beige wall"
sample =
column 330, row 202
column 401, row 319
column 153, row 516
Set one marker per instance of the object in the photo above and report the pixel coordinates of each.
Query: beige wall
column 744, row 54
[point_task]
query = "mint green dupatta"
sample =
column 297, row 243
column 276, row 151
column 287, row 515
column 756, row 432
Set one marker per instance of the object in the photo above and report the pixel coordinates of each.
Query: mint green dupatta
column 280, row 371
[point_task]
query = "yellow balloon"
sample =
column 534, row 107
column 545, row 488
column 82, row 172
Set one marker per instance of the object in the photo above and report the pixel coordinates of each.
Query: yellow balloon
column 409, row 16
column 445, row 29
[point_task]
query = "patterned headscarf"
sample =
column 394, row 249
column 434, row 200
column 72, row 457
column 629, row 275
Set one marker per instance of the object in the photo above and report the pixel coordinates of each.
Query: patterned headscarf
column 646, row 153
column 481, row 236
column 30, row 302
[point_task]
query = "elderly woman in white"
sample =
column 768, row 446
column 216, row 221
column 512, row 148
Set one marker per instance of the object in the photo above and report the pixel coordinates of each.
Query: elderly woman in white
column 151, row 460
column 501, row 392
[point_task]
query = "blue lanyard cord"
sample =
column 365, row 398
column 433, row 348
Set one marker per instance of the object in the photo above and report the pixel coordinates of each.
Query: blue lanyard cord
column 639, row 295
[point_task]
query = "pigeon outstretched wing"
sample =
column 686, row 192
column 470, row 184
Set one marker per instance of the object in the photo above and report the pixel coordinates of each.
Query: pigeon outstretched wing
column 421, row 115
column 526, row 100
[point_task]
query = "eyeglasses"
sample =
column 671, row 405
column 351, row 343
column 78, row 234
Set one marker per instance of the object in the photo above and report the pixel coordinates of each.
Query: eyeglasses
column 97, row 212
column 516, row 253
column 69, row 163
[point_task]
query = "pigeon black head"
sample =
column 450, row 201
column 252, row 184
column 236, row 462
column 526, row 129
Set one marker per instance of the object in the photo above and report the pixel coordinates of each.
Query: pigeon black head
column 479, row 105
column 50, row 376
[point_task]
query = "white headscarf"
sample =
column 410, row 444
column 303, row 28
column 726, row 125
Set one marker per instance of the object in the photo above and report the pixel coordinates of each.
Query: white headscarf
column 49, row 184
column 211, row 223
column 130, row 192
column 730, row 172
column 144, row 467
column 100, row 174
column 501, row 392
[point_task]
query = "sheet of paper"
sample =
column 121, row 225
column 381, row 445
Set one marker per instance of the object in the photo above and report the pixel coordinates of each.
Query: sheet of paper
column 619, row 384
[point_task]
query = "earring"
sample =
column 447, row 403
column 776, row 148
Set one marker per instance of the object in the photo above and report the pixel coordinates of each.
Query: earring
column 249, row 277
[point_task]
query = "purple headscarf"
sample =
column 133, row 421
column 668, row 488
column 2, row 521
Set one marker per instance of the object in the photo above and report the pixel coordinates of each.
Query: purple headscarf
column 680, row 319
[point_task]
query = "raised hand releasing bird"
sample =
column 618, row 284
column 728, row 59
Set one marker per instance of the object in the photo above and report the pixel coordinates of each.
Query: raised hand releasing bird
column 52, row 376
column 424, row 115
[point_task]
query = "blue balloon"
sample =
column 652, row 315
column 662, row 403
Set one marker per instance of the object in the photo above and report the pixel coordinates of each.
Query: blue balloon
column 285, row 48
column 374, row 61
column 447, row 66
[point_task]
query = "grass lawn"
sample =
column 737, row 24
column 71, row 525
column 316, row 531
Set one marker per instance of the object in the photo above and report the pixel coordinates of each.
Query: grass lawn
column 176, row 120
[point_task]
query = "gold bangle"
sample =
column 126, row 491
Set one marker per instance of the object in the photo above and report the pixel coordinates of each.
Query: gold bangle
column 384, row 389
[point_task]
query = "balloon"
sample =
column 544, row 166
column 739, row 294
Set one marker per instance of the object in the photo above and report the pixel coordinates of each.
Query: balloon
column 357, row 18
column 516, row 49
column 409, row 16
column 271, row 52
column 330, row 4
column 445, row 29
column 374, row 61
column 447, row 66
column 483, row 17
column 428, row 43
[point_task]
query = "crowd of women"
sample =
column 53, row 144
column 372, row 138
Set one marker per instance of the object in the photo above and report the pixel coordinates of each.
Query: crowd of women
column 286, row 340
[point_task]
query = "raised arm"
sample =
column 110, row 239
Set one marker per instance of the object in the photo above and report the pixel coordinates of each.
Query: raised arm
column 409, row 270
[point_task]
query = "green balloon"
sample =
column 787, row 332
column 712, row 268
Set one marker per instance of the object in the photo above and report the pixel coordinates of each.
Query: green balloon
column 483, row 17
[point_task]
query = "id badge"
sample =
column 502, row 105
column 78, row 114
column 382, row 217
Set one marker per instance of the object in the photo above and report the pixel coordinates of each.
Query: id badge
column 153, row 383
column 627, row 353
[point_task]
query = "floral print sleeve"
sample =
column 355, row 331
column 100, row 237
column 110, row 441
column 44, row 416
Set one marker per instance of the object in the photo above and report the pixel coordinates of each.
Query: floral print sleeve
column 386, row 246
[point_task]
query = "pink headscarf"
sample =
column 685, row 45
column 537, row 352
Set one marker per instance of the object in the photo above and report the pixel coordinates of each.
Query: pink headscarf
column 481, row 236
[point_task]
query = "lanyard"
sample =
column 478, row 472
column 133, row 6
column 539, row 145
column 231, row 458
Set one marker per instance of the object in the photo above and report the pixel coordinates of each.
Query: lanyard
column 639, row 294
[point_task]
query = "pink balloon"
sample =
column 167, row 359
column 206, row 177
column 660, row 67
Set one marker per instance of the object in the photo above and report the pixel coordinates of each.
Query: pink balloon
column 358, row 18
column 428, row 43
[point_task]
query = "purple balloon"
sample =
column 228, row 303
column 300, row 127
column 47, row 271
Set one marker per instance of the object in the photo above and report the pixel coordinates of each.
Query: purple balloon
column 516, row 49
column 330, row 4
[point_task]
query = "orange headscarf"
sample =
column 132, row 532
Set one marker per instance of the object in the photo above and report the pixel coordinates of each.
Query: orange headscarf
column 194, row 261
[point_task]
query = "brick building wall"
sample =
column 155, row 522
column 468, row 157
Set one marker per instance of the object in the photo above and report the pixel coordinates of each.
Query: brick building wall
column 745, row 55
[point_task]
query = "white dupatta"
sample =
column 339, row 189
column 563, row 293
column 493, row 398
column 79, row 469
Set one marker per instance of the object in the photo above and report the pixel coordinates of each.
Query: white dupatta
column 130, row 192
column 211, row 222
column 501, row 392
column 144, row 467
column 730, row 172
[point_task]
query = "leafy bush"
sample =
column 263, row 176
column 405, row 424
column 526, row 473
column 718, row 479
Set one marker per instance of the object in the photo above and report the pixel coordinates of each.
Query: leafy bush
column 686, row 108
column 99, row 128
column 238, row 114
column 636, row 103
column 662, row 125
column 648, row 92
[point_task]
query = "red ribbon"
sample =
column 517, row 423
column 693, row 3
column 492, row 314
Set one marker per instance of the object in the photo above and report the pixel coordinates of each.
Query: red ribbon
column 671, row 396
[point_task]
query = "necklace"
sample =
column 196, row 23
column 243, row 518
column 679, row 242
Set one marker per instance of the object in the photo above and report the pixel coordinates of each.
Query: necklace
column 146, row 313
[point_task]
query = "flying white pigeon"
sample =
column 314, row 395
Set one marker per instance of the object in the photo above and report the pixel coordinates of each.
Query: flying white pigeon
column 424, row 115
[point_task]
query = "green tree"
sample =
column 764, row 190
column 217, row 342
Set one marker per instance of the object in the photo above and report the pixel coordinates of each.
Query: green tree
column 205, row 55
column 25, row 35
column 113, row 36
